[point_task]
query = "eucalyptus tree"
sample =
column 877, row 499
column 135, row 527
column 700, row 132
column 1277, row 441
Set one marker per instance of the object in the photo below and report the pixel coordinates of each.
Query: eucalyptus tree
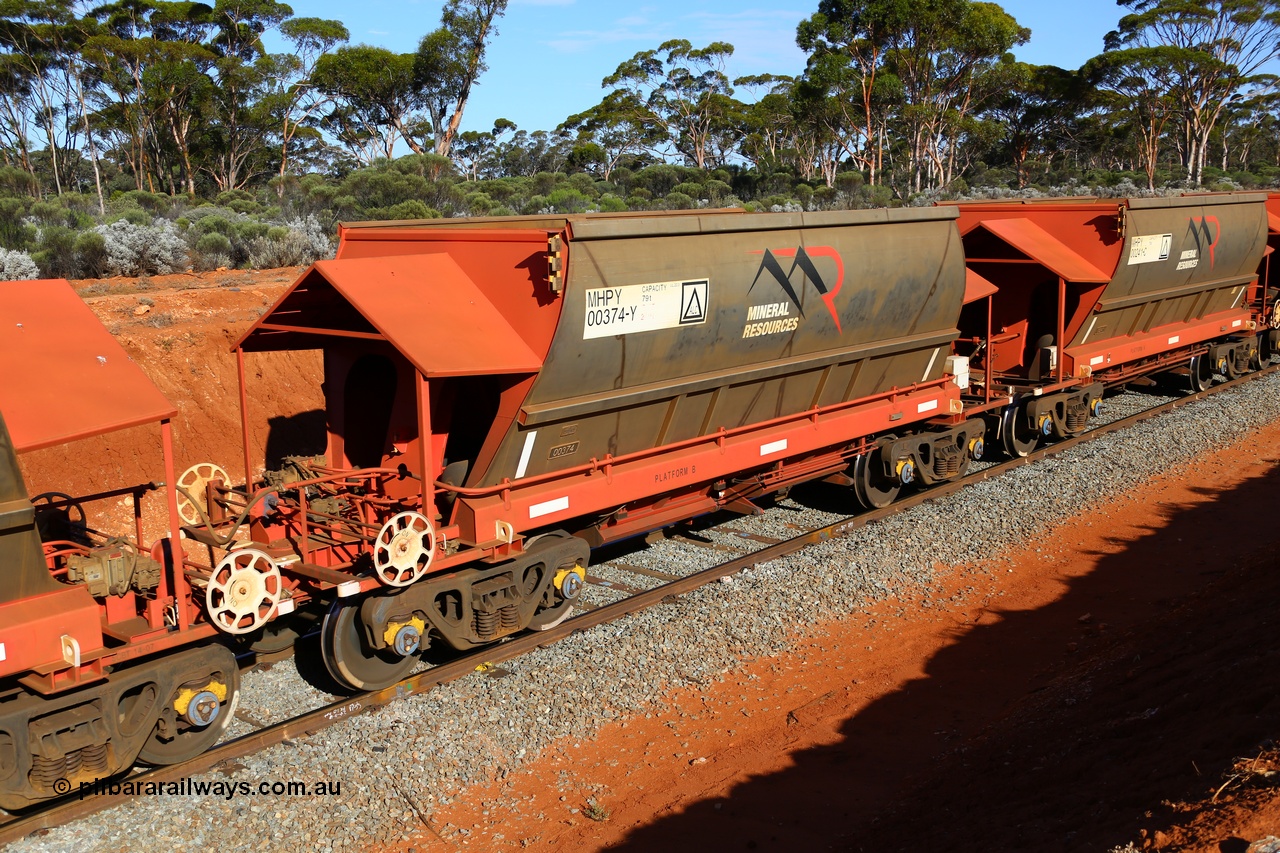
column 615, row 130
column 450, row 60
column 942, row 58
column 847, row 40
column 684, row 92
column 1209, row 50
column 376, row 100
column 294, row 98
column 1033, row 107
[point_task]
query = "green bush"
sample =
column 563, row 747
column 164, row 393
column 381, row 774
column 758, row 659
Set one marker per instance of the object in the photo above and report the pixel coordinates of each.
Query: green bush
column 56, row 253
column 611, row 203
column 212, row 223
column 690, row 189
column 678, row 201
column 91, row 254
column 211, row 251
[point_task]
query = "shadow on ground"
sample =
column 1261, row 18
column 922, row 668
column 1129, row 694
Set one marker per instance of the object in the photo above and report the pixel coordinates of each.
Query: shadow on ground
column 1059, row 728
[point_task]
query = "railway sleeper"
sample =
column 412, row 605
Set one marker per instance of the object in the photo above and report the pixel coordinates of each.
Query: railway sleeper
column 476, row 606
column 161, row 711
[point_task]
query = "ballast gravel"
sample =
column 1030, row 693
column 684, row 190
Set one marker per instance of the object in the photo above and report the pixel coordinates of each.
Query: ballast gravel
column 396, row 765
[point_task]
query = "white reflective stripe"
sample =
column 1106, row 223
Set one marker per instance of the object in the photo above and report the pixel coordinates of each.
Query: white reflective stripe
column 927, row 406
column 348, row 589
column 525, row 454
column 1089, row 331
column 773, row 447
column 1097, row 359
column 1236, row 323
column 2, row 654
column 1238, row 295
column 1175, row 339
column 549, row 506
column 285, row 607
column 932, row 359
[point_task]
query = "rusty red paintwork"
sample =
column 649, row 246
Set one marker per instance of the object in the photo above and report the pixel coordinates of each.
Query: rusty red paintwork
column 425, row 306
column 65, row 376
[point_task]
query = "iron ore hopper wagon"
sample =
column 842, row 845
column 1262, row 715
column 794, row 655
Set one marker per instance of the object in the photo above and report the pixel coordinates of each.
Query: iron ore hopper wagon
column 503, row 395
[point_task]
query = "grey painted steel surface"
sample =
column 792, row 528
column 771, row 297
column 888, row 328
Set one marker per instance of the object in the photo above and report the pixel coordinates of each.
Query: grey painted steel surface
column 1224, row 234
column 792, row 311
column 22, row 565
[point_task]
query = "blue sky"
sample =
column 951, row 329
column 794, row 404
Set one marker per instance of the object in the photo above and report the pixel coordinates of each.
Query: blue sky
column 550, row 55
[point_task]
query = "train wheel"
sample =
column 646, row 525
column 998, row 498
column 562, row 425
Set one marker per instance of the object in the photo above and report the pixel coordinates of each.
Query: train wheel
column 196, row 716
column 548, row 617
column 282, row 632
column 873, row 488
column 349, row 657
column 1261, row 356
column 1200, row 376
column 1016, row 435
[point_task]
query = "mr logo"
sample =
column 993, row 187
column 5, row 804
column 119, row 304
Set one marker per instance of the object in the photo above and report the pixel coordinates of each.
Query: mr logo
column 803, row 261
column 1205, row 237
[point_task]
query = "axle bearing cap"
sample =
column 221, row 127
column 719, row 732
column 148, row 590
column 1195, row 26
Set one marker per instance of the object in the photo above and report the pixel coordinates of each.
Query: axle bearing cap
column 906, row 471
column 976, row 448
column 1095, row 407
column 570, row 582
column 1046, row 424
column 407, row 640
column 203, row 708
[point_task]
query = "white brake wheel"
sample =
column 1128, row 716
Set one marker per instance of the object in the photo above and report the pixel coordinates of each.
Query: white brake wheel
column 243, row 591
column 404, row 549
column 196, row 481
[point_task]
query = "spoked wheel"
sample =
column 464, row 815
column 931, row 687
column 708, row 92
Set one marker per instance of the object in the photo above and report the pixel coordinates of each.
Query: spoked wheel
column 1200, row 374
column 1016, row 435
column 350, row 659
column 873, row 488
column 58, row 516
column 197, row 715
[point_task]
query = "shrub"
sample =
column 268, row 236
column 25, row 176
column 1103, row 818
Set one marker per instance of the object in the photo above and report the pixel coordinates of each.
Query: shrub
column 91, row 254
column 211, row 251
column 690, row 189
column 302, row 242
column 678, row 201
column 17, row 266
column 56, row 255
column 133, row 249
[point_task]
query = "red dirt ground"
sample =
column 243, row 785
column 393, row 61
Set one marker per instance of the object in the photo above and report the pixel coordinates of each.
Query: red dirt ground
column 1118, row 686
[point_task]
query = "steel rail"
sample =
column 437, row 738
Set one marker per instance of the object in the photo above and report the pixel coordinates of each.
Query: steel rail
column 313, row 721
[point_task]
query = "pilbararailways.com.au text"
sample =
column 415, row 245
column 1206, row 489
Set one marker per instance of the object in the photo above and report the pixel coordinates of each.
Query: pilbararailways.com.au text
column 201, row 788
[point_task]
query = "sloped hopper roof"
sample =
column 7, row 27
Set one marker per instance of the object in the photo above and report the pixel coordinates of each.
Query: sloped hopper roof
column 423, row 305
column 976, row 287
column 63, row 376
column 1273, row 223
column 1047, row 250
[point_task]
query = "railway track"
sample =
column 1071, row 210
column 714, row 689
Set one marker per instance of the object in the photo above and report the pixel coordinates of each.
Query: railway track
column 636, row 598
